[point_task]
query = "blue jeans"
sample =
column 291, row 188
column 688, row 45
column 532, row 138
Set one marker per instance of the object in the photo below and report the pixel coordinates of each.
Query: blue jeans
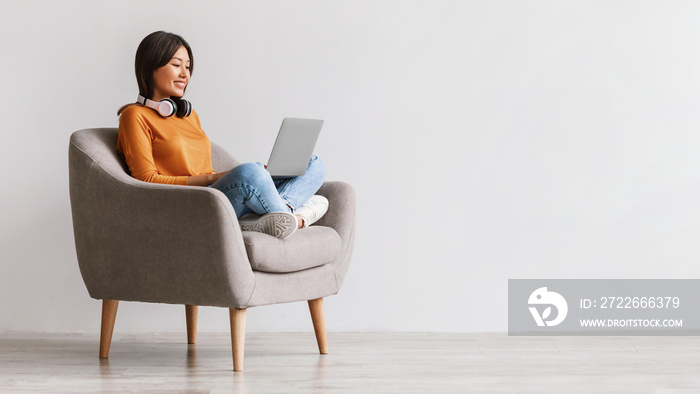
column 251, row 189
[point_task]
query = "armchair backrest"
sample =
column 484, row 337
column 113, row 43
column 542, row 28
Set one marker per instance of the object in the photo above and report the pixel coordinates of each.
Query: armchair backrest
column 101, row 145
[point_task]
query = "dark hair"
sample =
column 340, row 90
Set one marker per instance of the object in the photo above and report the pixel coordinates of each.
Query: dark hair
column 155, row 51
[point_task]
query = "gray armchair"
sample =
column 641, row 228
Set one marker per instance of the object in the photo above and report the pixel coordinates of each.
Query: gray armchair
column 139, row 241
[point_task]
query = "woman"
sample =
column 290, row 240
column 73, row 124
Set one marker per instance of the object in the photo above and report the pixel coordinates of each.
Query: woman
column 162, row 141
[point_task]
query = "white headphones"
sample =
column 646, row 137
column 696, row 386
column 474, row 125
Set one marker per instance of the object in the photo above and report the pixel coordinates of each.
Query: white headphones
column 167, row 107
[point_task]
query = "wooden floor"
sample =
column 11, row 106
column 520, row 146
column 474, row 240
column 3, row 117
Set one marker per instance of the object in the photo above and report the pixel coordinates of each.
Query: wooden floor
column 357, row 363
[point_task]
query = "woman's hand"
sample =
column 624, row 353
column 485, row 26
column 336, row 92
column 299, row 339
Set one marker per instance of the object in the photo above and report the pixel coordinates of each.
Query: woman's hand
column 204, row 179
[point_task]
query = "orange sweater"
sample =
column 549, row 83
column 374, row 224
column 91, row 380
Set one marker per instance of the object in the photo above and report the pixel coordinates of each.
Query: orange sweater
column 163, row 150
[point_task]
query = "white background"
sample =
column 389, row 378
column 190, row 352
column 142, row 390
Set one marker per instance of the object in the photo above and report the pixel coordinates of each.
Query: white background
column 486, row 140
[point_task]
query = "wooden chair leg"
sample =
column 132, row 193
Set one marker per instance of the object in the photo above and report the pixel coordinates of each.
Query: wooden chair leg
column 237, row 317
column 109, row 315
column 191, row 315
column 318, row 317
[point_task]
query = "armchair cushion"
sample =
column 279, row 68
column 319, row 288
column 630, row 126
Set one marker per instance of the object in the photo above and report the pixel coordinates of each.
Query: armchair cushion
column 306, row 248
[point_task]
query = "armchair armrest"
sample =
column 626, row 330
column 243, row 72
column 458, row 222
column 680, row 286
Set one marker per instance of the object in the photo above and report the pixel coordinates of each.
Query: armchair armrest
column 139, row 241
column 341, row 208
column 340, row 217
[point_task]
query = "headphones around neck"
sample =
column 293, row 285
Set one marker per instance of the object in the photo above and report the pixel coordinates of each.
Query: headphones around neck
column 167, row 107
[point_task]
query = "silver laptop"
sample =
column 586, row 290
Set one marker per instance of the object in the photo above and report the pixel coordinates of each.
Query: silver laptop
column 293, row 147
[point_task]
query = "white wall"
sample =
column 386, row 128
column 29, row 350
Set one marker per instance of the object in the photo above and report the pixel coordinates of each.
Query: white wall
column 485, row 140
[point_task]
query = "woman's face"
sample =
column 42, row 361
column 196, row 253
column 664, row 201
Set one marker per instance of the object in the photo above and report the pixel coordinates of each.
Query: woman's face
column 171, row 79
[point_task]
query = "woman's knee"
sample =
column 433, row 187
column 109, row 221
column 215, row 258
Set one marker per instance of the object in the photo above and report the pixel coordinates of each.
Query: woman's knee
column 317, row 166
column 249, row 171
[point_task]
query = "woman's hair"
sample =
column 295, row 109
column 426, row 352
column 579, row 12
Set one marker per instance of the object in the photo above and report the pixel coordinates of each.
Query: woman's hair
column 155, row 51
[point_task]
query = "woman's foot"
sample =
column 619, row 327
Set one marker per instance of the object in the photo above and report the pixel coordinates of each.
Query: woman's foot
column 312, row 210
column 277, row 224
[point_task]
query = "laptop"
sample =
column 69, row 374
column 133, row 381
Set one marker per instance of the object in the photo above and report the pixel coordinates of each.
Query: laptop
column 293, row 147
